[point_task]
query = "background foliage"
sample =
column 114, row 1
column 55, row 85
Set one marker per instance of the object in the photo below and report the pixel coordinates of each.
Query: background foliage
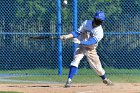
column 23, row 18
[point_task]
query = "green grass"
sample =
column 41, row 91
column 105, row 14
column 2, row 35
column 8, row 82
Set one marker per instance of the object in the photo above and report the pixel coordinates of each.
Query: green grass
column 83, row 76
column 80, row 78
column 65, row 71
column 9, row 92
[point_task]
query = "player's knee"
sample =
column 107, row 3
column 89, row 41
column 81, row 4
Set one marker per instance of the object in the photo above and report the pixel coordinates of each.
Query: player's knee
column 74, row 64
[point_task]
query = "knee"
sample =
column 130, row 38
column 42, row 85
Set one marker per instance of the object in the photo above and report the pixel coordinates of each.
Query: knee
column 75, row 64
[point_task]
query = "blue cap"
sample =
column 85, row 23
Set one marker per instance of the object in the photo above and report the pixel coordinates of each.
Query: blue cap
column 100, row 15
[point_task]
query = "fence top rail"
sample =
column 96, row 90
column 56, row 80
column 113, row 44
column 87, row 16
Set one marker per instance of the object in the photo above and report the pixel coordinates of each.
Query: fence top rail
column 24, row 33
column 122, row 33
column 44, row 33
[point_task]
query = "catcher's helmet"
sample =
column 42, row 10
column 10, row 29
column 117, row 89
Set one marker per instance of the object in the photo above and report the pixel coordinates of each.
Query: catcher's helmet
column 99, row 15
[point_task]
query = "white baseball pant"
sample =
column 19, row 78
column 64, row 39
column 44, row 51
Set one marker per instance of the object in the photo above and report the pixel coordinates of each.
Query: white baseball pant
column 92, row 57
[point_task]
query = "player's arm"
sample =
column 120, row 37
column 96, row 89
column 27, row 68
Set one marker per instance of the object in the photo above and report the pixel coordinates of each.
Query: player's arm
column 94, row 39
column 74, row 34
column 64, row 37
column 90, row 41
column 71, row 35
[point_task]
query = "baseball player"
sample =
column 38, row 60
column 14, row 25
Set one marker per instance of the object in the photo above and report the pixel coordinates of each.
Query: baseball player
column 87, row 37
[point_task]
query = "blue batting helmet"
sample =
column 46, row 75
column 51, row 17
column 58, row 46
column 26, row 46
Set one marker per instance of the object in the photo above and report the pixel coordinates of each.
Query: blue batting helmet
column 100, row 15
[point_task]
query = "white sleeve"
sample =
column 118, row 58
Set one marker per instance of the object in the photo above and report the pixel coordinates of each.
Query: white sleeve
column 81, row 28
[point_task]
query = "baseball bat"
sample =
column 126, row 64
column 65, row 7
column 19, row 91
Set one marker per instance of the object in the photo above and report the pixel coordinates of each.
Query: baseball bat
column 44, row 37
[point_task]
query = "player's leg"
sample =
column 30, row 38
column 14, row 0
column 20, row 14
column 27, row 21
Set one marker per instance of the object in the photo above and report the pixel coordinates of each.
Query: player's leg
column 95, row 63
column 74, row 66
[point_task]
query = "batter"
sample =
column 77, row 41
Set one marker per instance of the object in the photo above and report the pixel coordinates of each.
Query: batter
column 87, row 37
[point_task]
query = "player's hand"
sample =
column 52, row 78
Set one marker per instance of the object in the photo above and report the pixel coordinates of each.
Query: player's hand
column 64, row 37
column 75, row 40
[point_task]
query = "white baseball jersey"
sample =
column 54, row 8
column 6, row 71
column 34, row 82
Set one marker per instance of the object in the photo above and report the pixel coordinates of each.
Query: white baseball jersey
column 87, row 31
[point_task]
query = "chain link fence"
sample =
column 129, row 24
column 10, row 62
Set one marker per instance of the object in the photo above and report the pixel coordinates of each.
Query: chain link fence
column 20, row 19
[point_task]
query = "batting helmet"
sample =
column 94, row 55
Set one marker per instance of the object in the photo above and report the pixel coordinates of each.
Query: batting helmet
column 100, row 15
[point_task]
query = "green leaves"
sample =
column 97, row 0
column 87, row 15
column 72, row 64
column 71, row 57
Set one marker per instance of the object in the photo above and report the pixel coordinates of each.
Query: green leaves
column 30, row 8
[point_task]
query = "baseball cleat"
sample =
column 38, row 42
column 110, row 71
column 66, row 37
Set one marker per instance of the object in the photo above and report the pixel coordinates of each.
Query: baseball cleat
column 68, row 84
column 107, row 82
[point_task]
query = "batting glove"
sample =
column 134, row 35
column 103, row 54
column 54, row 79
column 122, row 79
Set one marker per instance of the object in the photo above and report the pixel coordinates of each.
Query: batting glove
column 75, row 40
column 64, row 37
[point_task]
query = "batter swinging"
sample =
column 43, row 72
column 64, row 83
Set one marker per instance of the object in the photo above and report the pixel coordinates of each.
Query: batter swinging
column 87, row 37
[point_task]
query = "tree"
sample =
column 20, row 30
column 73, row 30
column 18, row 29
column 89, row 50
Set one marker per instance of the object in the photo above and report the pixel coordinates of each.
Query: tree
column 39, row 10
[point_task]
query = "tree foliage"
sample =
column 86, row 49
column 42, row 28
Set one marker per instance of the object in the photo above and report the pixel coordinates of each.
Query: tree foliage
column 116, row 11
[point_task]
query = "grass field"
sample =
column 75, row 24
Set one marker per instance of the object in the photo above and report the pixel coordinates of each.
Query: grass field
column 84, row 71
column 37, row 80
column 83, row 75
column 9, row 92
column 79, row 78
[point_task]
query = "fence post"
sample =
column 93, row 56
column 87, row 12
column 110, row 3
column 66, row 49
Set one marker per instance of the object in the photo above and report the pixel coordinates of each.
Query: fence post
column 59, row 41
column 75, row 22
column 75, row 18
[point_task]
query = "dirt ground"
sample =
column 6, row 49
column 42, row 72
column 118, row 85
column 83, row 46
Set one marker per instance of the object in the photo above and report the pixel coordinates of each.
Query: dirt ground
column 76, row 88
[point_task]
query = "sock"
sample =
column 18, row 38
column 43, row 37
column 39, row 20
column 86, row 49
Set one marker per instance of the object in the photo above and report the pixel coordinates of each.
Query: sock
column 103, row 77
column 72, row 72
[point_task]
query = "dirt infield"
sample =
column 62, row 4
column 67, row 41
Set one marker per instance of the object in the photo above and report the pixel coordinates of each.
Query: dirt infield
column 76, row 88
